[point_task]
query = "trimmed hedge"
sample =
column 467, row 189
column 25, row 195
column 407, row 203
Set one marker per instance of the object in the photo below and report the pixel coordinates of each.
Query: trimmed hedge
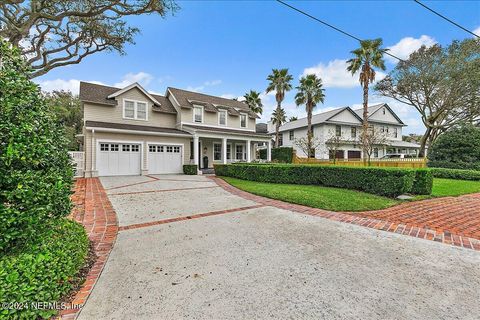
column 190, row 169
column 456, row 174
column 423, row 182
column 282, row 154
column 43, row 271
column 382, row 181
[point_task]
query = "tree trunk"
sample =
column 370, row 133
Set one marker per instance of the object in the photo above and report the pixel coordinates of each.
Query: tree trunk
column 365, row 120
column 423, row 142
column 277, row 125
column 309, row 130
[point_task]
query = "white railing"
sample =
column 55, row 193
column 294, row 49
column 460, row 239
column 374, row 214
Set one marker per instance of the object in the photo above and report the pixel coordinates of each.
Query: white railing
column 78, row 158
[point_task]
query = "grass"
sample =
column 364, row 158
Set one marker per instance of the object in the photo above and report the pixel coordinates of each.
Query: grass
column 327, row 198
column 336, row 199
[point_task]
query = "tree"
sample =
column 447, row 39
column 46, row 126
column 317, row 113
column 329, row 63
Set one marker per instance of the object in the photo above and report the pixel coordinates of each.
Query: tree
column 366, row 58
column 292, row 119
column 279, row 81
column 458, row 148
column 69, row 113
column 370, row 140
column 278, row 118
column 310, row 93
column 252, row 99
column 307, row 146
column 442, row 84
column 333, row 144
column 412, row 137
column 52, row 34
column 35, row 168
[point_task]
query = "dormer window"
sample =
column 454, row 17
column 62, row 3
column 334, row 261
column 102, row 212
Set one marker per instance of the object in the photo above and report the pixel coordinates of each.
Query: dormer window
column 384, row 111
column 135, row 110
column 243, row 120
column 198, row 114
column 222, row 117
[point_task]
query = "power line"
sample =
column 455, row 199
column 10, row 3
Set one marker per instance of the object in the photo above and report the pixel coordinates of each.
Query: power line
column 442, row 16
column 331, row 26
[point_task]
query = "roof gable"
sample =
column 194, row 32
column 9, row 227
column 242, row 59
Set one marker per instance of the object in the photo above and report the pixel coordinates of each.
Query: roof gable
column 346, row 115
column 375, row 114
column 130, row 87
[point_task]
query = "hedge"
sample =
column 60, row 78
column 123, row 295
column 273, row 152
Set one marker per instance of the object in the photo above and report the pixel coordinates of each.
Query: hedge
column 190, row 169
column 282, row 154
column 456, row 174
column 382, row 181
column 423, row 182
column 43, row 271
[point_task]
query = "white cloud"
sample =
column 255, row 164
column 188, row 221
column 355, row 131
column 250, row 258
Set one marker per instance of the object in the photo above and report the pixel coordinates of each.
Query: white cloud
column 141, row 77
column 204, row 85
column 477, row 31
column 407, row 45
column 335, row 74
column 72, row 85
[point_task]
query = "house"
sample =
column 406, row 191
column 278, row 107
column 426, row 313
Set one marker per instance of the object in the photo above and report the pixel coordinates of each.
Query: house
column 129, row 131
column 346, row 124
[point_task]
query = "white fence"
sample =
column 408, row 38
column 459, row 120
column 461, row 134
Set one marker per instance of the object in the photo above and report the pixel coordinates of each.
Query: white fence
column 78, row 158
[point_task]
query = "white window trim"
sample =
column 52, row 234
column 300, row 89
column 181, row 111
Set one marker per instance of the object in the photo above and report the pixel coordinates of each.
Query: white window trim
column 226, row 118
column 246, row 120
column 291, row 135
column 244, row 152
column 135, row 108
column 221, row 151
column 193, row 113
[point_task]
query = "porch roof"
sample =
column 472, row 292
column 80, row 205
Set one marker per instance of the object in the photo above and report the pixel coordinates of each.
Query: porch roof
column 225, row 131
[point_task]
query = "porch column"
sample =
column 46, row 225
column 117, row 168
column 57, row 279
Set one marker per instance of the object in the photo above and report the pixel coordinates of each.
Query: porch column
column 269, row 150
column 224, row 150
column 195, row 150
column 248, row 151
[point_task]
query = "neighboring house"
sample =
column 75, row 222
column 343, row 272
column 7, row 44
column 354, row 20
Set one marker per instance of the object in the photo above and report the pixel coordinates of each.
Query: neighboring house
column 346, row 124
column 130, row 131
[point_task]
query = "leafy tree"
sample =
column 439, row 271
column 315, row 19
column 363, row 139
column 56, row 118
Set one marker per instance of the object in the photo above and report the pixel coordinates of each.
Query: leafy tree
column 442, row 84
column 458, row 148
column 68, row 111
column 278, row 118
column 310, row 93
column 252, row 99
column 35, row 168
column 280, row 82
column 292, row 119
column 52, row 34
column 366, row 58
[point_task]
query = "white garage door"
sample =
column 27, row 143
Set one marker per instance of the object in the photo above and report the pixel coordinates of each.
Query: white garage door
column 118, row 159
column 164, row 159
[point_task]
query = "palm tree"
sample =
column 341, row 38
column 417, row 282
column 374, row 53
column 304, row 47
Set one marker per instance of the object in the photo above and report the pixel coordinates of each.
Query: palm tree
column 278, row 118
column 252, row 99
column 292, row 119
column 369, row 55
column 310, row 93
column 279, row 81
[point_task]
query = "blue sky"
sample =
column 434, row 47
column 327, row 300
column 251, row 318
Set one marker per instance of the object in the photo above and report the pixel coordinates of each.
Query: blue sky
column 229, row 47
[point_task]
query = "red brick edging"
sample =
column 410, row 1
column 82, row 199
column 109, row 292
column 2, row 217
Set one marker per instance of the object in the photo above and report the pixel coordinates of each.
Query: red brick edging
column 378, row 224
column 95, row 212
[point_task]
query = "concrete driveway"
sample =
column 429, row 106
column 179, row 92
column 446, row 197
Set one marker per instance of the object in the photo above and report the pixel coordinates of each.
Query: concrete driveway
column 236, row 259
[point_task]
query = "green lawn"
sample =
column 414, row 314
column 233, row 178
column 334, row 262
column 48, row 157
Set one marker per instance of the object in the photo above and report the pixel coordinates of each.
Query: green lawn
column 336, row 199
column 327, row 198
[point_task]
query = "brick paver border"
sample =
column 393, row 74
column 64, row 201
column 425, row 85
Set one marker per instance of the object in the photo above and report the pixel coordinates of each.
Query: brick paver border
column 405, row 229
column 95, row 212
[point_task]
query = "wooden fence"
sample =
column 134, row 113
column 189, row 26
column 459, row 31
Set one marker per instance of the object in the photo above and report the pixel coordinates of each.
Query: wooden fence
column 396, row 163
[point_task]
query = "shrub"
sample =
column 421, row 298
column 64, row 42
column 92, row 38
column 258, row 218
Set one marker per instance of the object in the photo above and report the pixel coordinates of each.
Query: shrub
column 262, row 153
column 423, row 182
column 282, row 154
column 190, row 169
column 458, row 148
column 381, row 181
column 456, row 174
column 43, row 271
column 35, row 168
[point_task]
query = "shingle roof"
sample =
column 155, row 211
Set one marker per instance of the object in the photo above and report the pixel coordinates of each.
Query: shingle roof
column 186, row 99
column 124, row 126
column 96, row 93
column 316, row 119
column 227, row 131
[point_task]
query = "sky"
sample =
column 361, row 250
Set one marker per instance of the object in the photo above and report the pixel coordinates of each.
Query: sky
column 226, row 48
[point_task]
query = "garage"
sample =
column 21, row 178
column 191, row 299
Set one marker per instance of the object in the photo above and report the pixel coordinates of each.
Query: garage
column 118, row 159
column 164, row 159
column 353, row 154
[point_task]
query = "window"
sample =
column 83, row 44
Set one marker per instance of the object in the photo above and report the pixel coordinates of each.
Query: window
column 239, row 152
column 176, row 149
column 222, row 117
column 159, row 148
column 136, row 110
column 243, row 120
column 353, row 132
column 169, row 149
column 384, row 111
column 217, row 151
column 152, row 148
column 338, row 131
column 135, row 148
column 280, row 139
column 114, row 147
column 395, row 132
column 291, row 135
column 229, row 151
column 375, row 152
column 103, row 146
column 197, row 114
column 382, row 129
column 125, row 147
